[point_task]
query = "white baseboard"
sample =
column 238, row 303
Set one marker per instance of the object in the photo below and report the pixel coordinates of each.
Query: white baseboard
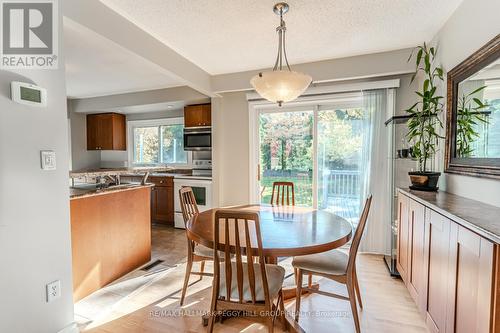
column 71, row 328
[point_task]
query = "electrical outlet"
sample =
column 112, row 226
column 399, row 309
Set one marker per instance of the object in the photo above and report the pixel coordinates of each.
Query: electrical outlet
column 53, row 291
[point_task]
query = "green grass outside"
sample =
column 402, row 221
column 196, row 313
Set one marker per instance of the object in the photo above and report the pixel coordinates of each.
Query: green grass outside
column 303, row 189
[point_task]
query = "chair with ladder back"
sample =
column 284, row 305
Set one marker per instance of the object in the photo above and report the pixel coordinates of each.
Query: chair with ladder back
column 335, row 265
column 283, row 194
column 243, row 281
column 196, row 252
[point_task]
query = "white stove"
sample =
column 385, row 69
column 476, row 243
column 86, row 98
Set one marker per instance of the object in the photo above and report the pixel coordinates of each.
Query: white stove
column 201, row 183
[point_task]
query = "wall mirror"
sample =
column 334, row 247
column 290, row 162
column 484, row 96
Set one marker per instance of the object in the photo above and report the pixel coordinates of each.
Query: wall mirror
column 473, row 115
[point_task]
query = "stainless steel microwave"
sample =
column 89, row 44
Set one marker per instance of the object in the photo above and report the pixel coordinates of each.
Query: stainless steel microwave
column 198, row 138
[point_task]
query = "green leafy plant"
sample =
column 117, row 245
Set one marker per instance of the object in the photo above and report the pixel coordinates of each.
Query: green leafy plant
column 468, row 116
column 425, row 113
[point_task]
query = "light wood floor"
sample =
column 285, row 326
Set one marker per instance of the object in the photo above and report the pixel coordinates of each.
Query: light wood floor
column 149, row 301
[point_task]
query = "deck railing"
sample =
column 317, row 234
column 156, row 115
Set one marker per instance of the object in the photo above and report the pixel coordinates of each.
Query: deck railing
column 340, row 183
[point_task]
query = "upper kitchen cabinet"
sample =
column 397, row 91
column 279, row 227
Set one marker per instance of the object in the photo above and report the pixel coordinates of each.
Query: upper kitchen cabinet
column 106, row 131
column 198, row 115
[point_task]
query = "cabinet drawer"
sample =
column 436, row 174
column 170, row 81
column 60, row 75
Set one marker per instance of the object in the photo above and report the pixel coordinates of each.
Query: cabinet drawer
column 162, row 180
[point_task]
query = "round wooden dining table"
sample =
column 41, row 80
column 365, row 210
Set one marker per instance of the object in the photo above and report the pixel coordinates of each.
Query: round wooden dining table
column 286, row 231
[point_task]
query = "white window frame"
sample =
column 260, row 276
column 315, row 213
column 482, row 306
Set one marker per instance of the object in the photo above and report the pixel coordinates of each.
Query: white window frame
column 131, row 124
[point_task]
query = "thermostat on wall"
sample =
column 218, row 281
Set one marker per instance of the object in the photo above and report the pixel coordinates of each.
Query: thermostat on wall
column 29, row 94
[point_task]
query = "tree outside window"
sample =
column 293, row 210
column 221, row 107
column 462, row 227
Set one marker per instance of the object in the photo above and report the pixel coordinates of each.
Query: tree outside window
column 162, row 144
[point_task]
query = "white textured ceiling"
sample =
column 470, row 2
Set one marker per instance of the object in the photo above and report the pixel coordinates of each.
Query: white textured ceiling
column 224, row 36
column 95, row 66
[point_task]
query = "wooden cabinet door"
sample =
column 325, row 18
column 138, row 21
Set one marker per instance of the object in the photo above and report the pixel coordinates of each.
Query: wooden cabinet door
column 416, row 273
column 403, row 237
column 92, row 132
column 198, row 115
column 437, row 244
column 162, row 200
column 161, row 197
column 106, row 131
column 119, row 132
column 471, row 278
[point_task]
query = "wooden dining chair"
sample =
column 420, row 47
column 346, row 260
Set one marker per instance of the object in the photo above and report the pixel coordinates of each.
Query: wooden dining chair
column 335, row 265
column 283, row 194
column 282, row 190
column 196, row 252
column 243, row 281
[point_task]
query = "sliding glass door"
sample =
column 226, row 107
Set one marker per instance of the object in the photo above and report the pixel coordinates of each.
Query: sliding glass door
column 340, row 158
column 319, row 148
column 286, row 153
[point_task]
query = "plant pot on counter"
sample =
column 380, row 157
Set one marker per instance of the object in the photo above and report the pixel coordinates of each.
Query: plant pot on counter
column 424, row 181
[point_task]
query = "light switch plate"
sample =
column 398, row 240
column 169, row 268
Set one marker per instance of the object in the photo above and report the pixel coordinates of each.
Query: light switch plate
column 53, row 291
column 48, row 159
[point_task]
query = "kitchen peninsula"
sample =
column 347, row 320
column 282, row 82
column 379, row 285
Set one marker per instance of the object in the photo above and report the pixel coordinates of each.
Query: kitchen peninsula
column 110, row 234
column 111, row 215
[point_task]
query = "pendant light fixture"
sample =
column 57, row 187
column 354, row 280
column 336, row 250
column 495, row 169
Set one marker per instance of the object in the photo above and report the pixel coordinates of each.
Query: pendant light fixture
column 281, row 84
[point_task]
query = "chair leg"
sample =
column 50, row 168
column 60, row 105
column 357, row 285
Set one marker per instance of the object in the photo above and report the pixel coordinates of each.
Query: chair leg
column 352, row 300
column 310, row 281
column 270, row 324
column 282, row 310
column 299, row 294
column 358, row 293
column 295, row 274
column 189, row 266
column 213, row 308
column 202, row 269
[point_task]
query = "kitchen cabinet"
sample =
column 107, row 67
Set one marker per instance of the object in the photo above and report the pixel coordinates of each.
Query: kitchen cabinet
column 162, row 200
column 403, row 237
column 198, row 115
column 437, row 243
column 106, row 131
column 451, row 272
column 416, row 274
column 471, row 262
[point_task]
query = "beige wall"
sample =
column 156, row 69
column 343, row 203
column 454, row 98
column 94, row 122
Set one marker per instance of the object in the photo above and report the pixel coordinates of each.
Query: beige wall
column 472, row 25
column 230, row 149
column 35, row 239
column 81, row 158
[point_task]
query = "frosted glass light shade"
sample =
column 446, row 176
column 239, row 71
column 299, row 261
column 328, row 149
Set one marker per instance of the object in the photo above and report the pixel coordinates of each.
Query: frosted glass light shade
column 281, row 85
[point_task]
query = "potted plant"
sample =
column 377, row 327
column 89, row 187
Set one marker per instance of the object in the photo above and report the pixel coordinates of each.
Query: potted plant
column 424, row 118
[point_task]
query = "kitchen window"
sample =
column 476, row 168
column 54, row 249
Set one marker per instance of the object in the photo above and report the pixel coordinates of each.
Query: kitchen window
column 157, row 142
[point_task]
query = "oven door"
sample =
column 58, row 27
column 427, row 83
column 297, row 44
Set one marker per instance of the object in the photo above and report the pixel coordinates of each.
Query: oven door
column 197, row 139
column 202, row 190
